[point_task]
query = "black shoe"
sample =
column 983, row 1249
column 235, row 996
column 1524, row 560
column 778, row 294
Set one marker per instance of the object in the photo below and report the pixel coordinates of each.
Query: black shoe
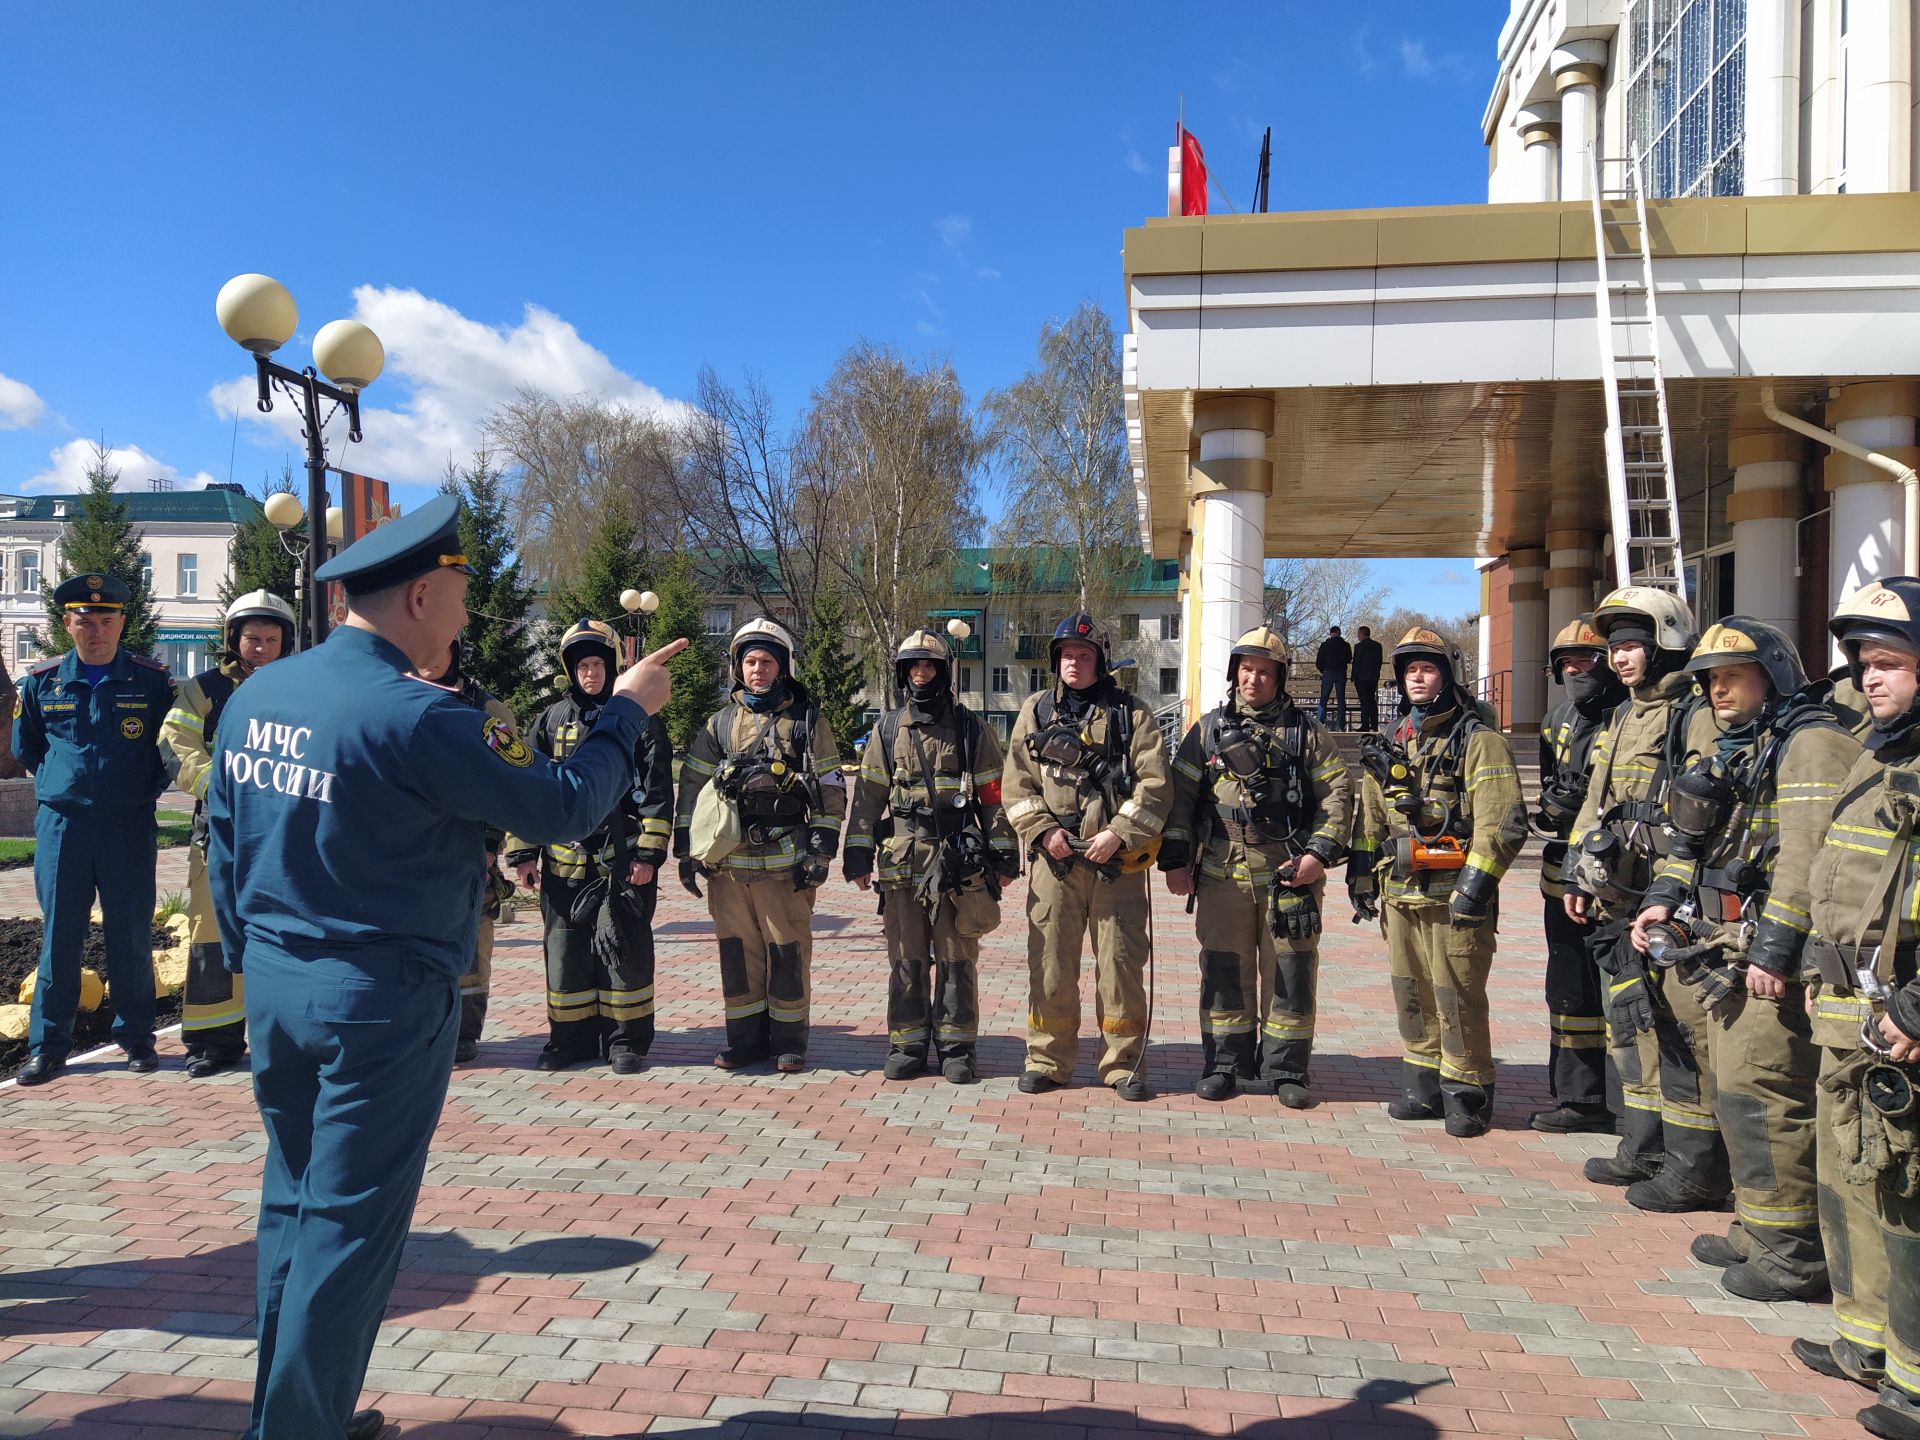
column 959, row 1070
column 1894, row 1417
column 1036, row 1082
column 365, row 1424
column 41, row 1068
column 626, row 1060
column 465, row 1050
column 1668, row 1194
column 790, row 1064
column 1750, row 1282
column 902, row 1066
column 1842, row 1360
column 211, row 1062
column 1616, row 1170
column 1407, row 1108
column 1217, row 1086
column 733, row 1058
column 1292, row 1094
column 1131, row 1087
column 553, row 1057
column 1715, row 1250
column 1573, row 1120
column 1464, row 1125
column 144, row 1060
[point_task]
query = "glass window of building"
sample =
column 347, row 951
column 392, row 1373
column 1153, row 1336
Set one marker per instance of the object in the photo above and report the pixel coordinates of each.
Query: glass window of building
column 1169, row 680
column 1036, row 678
column 966, row 678
column 1170, row 625
column 146, row 572
column 1129, row 627
column 719, row 619
column 29, row 571
column 189, row 573
column 1687, row 95
column 1002, row 681
column 23, row 651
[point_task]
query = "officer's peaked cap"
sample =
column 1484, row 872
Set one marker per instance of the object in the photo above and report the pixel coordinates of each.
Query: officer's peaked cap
column 99, row 592
column 401, row 550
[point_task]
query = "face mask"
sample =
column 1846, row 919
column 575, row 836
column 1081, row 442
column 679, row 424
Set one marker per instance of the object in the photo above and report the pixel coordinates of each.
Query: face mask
column 1590, row 686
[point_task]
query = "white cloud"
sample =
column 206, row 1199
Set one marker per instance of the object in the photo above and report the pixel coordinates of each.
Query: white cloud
column 955, row 231
column 20, row 408
column 1413, row 55
column 445, row 373
column 987, row 272
column 70, row 461
column 1136, row 162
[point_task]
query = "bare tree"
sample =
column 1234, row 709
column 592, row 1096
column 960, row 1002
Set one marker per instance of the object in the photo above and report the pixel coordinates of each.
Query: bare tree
column 1305, row 597
column 737, row 495
column 1059, row 434
column 1390, row 625
column 572, row 461
column 885, row 463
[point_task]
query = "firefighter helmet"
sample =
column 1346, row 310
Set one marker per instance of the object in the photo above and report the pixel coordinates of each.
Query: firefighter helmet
column 923, row 645
column 764, row 634
column 1420, row 643
column 1576, row 637
column 1887, row 610
column 1261, row 643
column 1741, row 639
column 259, row 605
column 1645, row 613
column 588, row 637
column 1086, row 630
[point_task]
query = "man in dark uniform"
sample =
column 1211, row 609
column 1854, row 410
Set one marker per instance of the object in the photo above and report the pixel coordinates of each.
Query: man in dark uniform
column 1368, row 660
column 1331, row 660
column 599, row 979
column 347, row 822
column 86, row 726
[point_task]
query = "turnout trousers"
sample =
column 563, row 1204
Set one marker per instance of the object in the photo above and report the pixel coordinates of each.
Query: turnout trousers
column 213, row 1006
column 1765, row 1070
column 75, row 857
column 1061, row 910
column 933, row 997
column 765, row 930
column 1683, row 1040
column 476, row 986
column 1256, row 994
column 1635, row 1061
column 592, row 1006
column 1440, row 995
column 1576, row 1014
column 1872, row 1239
column 350, row 1070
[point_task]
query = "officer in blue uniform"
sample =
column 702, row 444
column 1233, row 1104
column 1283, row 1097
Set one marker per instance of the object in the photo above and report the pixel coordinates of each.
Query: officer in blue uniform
column 85, row 725
column 347, row 817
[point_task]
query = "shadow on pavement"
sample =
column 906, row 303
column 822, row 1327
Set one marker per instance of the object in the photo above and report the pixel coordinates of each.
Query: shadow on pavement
column 1373, row 1413
column 213, row 1293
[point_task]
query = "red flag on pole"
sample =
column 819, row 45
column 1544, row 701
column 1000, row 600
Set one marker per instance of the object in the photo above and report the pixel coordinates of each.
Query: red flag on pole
column 1193, row 175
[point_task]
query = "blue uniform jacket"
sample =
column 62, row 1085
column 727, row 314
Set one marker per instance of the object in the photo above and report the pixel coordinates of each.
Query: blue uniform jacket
column 350, row 801
column 93, row 749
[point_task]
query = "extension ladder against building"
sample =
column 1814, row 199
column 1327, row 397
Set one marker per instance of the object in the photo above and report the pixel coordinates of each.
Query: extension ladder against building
column 1644, row 507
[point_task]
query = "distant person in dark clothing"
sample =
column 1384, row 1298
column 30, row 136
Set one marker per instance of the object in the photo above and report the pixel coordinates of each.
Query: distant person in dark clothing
column 1332, row 659
column 1367, row 658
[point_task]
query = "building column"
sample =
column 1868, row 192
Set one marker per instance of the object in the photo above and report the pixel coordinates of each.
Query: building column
column 1771, row 145
column 1539, row 127
column 1578, row 68
column 1868, row 508
column 1879, row 96
column 1231, row 480
column 1527, row 604
column 1573, row 568
column 1764, row 514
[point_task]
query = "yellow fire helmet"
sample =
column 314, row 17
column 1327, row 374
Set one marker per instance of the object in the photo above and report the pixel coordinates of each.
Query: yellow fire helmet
column 1887, row 610
column 1645, row 613
column 1576, row 637
column 1260, row 643
column 766, row 634
column 922, row 644
column 1420, row 643
column 1743, row 640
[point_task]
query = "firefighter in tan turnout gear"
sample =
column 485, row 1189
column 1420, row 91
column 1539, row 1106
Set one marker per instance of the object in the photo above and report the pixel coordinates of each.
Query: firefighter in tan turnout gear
column 597, row 893
column 1576, row 1008
column 1727, row 916
column 768, row 771
column 1670, row 1156
column 1261, row 809
column 1086, row 792
column 1440, row 821
column 1865, row 988
column 213, row 1012
column 924, row 827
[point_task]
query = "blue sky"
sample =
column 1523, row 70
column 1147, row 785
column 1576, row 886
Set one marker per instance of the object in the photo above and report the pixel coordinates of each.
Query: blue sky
column 600, row 196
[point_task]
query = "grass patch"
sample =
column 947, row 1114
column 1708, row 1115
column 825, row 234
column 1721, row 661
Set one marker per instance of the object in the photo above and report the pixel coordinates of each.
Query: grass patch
column 175, row 826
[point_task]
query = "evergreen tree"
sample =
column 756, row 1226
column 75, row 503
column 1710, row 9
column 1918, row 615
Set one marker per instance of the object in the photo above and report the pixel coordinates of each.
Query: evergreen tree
column 501, row 634
column 256, row 560
column 99, row 539
column 831, row 671
column 614, row 562
column 695, row 670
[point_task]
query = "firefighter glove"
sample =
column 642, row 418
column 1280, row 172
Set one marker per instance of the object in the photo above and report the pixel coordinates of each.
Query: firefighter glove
column 1363, row 889
column 810, row 873
column 1472, row 898
column 1629, row 1003
column 690, row 875
column 1292, row 914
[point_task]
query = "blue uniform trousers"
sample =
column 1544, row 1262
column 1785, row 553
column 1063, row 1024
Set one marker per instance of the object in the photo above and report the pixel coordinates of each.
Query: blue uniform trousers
column 75, row 855
column 350, row 1071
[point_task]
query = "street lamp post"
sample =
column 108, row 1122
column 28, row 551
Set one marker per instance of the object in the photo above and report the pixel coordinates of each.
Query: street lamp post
column 284, row 511
column 640, row 604
column 259, row 315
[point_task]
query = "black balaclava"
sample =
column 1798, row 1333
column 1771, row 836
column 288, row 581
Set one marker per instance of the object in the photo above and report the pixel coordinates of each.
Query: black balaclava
column 932, row 700
column 776, row 692
column 1596, row 692
column 577, row 653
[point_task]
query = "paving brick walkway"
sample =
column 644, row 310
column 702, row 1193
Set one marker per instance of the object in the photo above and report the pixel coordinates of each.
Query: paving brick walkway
column 746, row 1256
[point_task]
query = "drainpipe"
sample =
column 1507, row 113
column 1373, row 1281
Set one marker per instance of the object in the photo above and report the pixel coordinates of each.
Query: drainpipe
column 1909, row 480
